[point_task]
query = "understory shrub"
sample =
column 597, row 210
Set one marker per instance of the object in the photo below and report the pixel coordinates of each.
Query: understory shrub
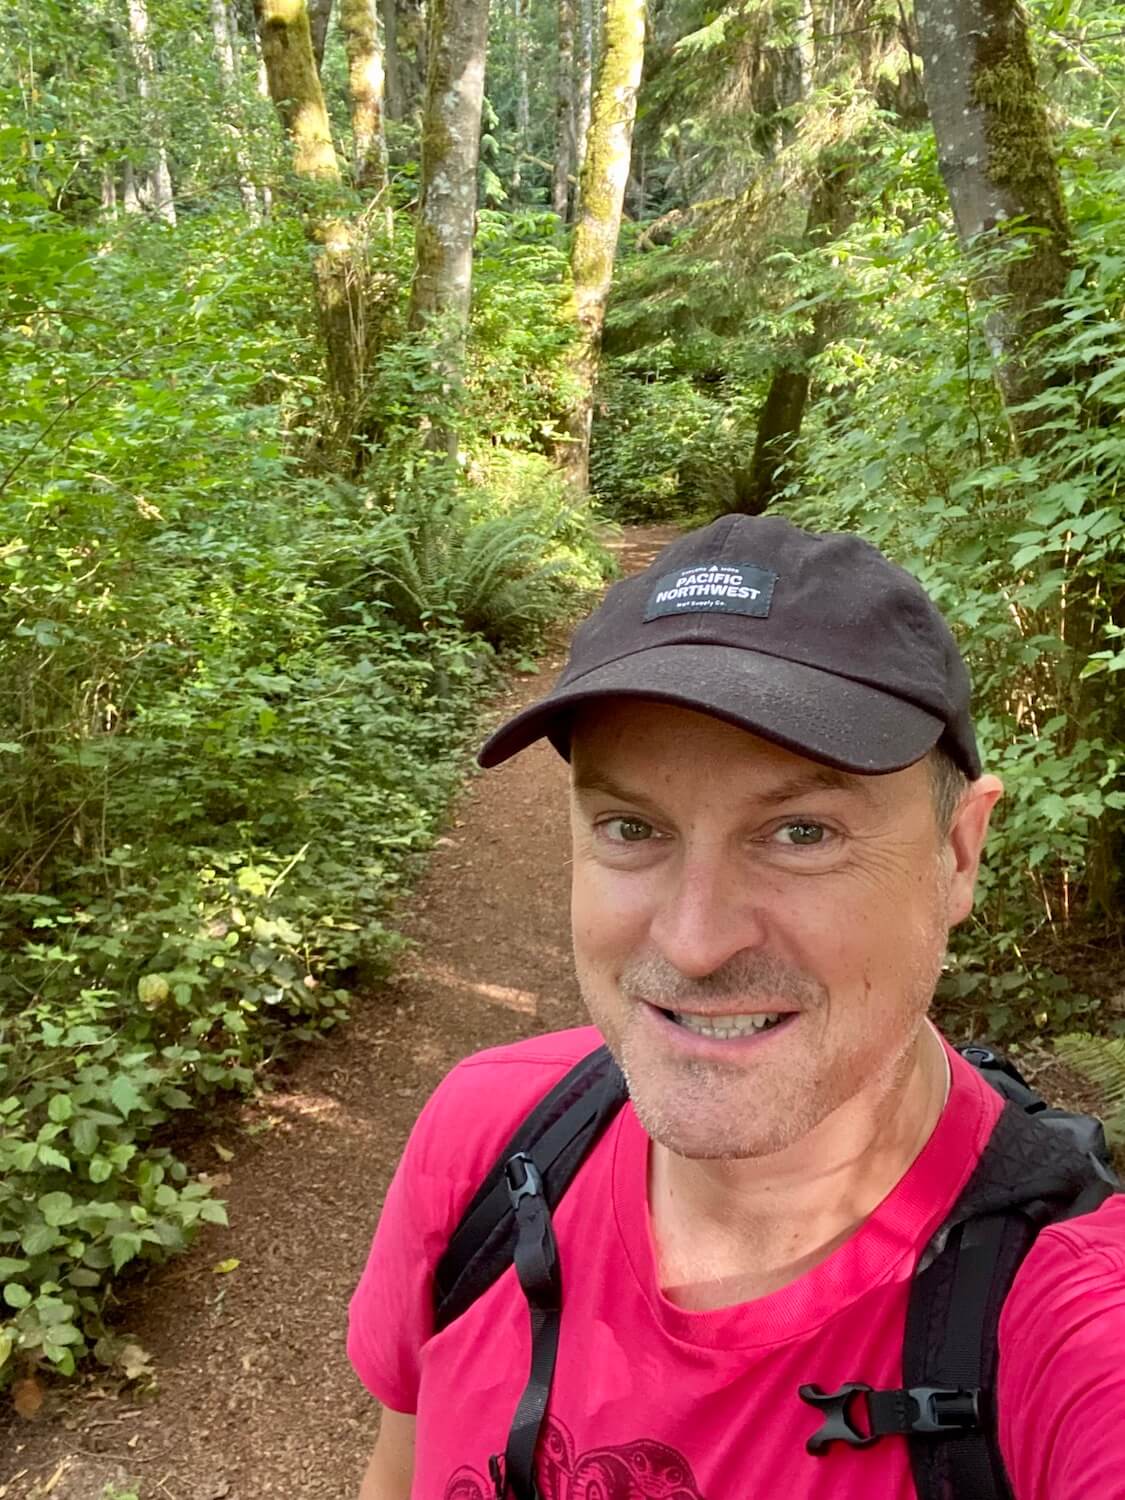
column 234, row 695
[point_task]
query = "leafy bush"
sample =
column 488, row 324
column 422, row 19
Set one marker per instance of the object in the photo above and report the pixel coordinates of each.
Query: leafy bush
column 233, row 697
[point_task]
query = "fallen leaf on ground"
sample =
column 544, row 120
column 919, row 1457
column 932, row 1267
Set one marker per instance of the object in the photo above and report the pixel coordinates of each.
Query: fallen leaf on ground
column 27, row 1396
column 225, row 1266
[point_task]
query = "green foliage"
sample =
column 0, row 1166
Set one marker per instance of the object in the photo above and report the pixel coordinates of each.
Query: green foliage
column 234, row 690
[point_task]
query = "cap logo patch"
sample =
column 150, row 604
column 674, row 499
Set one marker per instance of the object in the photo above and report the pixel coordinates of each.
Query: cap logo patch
column 732, row 588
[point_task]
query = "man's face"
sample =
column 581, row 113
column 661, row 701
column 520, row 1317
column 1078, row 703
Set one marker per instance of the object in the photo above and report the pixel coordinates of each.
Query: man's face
column 720, row 883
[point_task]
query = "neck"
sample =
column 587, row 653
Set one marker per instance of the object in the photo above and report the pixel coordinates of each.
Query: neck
column 729, row 1231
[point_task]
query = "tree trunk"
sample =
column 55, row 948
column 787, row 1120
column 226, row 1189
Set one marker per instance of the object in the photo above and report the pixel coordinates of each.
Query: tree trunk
column 159, row 178
column 583, row 68
column 523, row 101
column 339, row 269
column 564, row 113
column 294, row 85
column 404, row 26
column 783, row 410
column 995, row 156
column 443, row 256
column 263, row 83
column 360, row 25
column 601, row 195
column 228, row 79
column 320, row 13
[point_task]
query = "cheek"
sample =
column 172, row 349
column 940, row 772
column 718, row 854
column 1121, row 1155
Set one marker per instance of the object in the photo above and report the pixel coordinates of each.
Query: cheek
column 610, row 913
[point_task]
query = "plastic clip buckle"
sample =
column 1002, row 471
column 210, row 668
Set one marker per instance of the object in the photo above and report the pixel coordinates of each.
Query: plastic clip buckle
column 941, row 1409
column 525, row 1181
column 837, row 1426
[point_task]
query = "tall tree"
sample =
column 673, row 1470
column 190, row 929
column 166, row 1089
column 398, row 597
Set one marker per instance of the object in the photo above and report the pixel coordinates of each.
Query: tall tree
column 159, row 193
column 565, row 154
column 995, row 156
column 443, row 256
column 404, row 25
column 583, row 71
column 601, row 197
column 523, row 95
column 320, row 14
column 294, row 85
column 222, row 21
column 783, row 410
column 359, row 21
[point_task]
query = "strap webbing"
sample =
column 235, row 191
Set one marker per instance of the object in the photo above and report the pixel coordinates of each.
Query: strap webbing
column 557, row 1136
column 537, row 1266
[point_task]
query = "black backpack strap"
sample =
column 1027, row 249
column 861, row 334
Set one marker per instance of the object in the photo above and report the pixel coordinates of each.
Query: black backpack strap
column 509, row 1221
column 1030, row 1174
column 556, row 1136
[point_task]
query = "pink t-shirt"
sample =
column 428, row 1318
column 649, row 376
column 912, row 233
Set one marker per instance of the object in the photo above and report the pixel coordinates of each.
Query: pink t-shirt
column 651, row 1402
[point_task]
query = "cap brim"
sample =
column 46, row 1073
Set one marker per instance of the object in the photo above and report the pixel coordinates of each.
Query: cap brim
column 813, row 713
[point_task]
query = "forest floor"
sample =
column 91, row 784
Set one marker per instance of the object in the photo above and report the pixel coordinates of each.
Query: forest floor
column 252, row 1395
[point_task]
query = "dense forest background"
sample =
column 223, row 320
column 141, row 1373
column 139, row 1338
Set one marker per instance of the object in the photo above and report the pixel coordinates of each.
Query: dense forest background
column 319, row 399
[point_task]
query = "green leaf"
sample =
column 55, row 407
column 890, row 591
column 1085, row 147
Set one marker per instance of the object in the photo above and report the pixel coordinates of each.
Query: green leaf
column 56, row 1207
column 52, row 1158
column 16, row 1295
column 84, row 1135
column 124, row 1096
column 39, row 1239
column 61, row 1108
column 124, row 1248
column 101, row 1170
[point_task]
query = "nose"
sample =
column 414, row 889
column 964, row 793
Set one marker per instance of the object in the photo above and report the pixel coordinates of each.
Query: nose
column 708, row 913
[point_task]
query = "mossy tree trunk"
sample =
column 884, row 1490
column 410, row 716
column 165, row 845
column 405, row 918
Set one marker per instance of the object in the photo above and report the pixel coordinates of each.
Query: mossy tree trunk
column 339, row 268
column 404, row 25
column 995, row 155
column 359, row 21
column 565, row 146
column 443, row 256
column 601, row 196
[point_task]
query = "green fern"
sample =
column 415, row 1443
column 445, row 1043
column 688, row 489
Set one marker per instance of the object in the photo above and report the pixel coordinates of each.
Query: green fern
column 493, row 577
column 1100, row 1059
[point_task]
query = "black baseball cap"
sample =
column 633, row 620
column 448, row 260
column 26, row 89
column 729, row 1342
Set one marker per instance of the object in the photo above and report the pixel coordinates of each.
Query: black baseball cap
column 815, row 642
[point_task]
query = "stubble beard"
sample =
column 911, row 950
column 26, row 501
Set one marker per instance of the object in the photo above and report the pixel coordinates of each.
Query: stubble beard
column 713, row 1110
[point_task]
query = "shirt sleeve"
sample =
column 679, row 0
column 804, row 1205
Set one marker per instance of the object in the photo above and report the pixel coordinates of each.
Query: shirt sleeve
column 390, row 1317
column 1061, row 1389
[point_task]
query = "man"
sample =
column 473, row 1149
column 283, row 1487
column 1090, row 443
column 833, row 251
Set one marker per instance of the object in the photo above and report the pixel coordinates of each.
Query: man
column 778, row 812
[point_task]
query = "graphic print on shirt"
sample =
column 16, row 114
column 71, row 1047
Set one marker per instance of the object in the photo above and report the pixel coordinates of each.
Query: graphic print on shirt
column 640, row 1470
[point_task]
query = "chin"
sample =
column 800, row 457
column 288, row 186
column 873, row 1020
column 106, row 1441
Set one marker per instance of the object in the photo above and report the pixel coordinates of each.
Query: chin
column 701, row 1131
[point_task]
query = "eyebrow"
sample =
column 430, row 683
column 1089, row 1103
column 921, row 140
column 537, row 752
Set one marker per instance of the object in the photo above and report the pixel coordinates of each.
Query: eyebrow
column 815, row 779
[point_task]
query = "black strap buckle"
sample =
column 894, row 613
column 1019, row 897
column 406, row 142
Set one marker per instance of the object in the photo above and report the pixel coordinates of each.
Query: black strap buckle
column 941, row 1410
column 922, row 1410
column 837, row 1426
column 523, row 1179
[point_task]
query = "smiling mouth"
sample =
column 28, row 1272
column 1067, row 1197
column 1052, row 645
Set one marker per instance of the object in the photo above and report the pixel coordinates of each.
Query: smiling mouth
column 724, row 1027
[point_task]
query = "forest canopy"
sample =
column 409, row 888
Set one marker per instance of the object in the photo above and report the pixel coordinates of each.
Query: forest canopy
column 336, row 334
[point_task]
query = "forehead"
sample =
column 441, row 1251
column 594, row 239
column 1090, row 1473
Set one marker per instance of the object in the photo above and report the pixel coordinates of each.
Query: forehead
column 651, row 744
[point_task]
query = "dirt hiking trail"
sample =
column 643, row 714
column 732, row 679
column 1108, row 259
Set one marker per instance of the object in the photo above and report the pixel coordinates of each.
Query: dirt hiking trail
column 254, row 1396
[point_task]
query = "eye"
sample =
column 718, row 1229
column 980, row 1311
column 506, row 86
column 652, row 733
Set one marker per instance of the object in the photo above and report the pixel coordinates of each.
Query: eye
column 626, row 830
column 801, row 833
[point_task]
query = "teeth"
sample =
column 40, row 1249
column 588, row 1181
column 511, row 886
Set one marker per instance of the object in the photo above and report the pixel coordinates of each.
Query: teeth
column 726, row 1026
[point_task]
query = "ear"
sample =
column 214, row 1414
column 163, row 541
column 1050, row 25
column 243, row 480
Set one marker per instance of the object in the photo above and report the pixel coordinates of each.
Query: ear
column 965, row 841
